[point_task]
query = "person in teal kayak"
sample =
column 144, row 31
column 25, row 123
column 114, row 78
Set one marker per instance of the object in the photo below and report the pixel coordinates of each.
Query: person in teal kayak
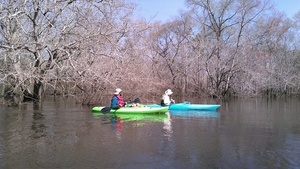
column 166, row 99
column 117, row 100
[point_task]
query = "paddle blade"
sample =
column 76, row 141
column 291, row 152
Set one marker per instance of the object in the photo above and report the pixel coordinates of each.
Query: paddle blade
column 136, row 100
column 105, row 110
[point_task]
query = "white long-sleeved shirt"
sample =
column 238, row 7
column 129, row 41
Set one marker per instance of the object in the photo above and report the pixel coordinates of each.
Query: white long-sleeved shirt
column 166, row 98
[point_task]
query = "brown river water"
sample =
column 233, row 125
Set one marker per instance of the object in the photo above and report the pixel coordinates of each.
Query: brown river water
column 242, row 134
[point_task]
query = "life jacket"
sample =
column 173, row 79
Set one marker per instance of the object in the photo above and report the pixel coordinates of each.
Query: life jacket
column 120, row 102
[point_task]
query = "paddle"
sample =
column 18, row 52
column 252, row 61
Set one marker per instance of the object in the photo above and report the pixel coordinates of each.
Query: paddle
column 105, row 110
column 136, row 100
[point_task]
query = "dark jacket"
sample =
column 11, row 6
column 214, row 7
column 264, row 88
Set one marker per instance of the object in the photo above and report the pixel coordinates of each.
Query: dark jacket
column 117, row 102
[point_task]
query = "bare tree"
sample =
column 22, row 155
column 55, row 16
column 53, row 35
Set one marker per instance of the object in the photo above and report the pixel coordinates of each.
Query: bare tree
column 223, row 29
column 168, row 43
column 51, row 44
column 278, row 48
column 35, row 38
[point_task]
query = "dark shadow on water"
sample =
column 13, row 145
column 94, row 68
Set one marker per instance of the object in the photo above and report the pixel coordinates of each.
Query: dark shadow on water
column 108, row 118
column 38, row 125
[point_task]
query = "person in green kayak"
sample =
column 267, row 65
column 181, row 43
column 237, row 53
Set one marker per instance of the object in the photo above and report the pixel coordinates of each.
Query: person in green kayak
column 117, row 100
column 166, row 99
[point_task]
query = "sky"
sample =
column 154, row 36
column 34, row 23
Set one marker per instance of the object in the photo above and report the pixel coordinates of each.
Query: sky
column 159, row 10
column 290, row 7
column 163, row 10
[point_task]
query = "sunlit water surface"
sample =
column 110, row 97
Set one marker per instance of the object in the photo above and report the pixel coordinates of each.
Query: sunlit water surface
column 251, row 133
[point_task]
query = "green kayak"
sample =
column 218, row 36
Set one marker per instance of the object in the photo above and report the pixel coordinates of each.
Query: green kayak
column 135, row 110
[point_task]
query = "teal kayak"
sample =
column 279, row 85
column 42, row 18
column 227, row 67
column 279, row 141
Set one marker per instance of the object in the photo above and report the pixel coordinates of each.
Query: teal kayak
column 188, row 106
column 135, row 110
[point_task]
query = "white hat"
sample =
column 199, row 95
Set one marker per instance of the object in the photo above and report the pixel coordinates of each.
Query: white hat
column 168, row 92
column 118, row 90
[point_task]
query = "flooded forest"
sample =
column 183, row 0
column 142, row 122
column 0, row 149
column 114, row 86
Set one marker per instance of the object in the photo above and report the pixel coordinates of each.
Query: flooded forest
column 87, row 48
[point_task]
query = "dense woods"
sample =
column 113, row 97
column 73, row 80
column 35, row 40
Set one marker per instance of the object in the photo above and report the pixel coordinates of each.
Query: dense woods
column 87, row 48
